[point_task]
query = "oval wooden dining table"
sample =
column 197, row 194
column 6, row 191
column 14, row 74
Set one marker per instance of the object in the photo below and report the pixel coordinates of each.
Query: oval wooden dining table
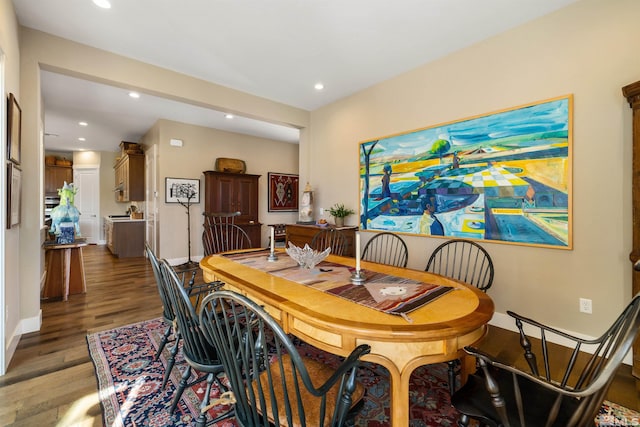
column 433, row 333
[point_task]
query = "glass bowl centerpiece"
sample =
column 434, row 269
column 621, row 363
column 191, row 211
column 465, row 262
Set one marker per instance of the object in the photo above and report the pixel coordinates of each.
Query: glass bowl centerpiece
column 306, row 257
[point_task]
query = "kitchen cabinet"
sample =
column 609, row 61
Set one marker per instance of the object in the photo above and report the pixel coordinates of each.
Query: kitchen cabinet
column 129, row 178
column 55, row 177
column 125, row 238
column 299, row 235
column 235, row 192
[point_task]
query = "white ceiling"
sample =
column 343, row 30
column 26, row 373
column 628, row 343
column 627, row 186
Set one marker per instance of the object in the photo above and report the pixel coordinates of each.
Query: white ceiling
column 276, row 49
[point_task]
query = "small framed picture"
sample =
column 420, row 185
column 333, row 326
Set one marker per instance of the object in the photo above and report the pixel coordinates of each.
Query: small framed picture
column 14, row 186
column 14, row 125
column 283, row 192
column 182, row 190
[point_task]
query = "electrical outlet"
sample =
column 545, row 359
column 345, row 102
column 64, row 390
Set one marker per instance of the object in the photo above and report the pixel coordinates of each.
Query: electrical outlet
column 585, row 306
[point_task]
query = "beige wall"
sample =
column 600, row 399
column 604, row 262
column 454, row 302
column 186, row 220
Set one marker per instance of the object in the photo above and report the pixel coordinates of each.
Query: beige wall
column 42, row 51
column 12, row 297
column 588, row 49
column 201, row 147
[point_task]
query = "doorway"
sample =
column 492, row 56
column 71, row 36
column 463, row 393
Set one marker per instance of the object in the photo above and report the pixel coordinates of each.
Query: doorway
column 151, row 197
column 87, row 200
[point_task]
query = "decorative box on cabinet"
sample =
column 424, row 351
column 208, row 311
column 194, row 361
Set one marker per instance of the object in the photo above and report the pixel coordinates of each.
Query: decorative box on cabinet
column 235, row 192
column 299, row 234
column 129, row 174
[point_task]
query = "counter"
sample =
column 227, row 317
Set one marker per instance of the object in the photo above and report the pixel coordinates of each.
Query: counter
column 125, row 237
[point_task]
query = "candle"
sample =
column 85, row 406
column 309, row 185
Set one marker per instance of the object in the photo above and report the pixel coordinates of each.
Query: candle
column 357, row 251
column 273, row 240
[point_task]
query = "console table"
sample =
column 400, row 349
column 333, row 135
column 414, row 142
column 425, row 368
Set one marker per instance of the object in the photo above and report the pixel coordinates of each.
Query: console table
column 64, row 270
column 299, row 234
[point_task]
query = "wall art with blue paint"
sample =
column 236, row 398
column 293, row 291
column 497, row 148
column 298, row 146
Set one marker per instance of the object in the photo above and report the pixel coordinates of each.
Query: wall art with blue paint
column 502, row 177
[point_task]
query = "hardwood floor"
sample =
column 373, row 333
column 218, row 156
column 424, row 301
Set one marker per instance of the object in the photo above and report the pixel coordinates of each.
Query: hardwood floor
column 51, row 380
column 51, row 372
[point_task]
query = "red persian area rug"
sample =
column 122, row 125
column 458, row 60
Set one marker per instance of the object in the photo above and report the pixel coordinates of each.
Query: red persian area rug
column 129, row 385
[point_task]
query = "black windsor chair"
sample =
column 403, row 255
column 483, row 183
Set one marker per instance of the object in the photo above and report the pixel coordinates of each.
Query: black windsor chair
column 168, row 315
column 330, row 238
column 550, row 389
column 386, row 248
column 198, row 353
column 272, row 384
column 468, row 262
column 221, row 234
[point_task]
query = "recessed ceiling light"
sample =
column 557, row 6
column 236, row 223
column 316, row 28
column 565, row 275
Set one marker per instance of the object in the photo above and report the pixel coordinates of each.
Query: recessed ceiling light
column 228, row 116
column 82, row 139
column 105, row 4
column 318, row 86
column 134, row 95
column 83, row 123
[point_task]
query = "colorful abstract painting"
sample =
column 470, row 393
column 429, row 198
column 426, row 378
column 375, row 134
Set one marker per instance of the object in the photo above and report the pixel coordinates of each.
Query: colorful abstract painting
column 283, row 192
column 503, row 177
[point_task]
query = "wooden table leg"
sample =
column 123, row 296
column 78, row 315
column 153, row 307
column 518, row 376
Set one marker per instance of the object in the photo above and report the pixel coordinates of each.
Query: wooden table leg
column 67, row 273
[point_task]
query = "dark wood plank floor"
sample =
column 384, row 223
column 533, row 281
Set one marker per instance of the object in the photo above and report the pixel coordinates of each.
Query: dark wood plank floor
column 51, row 380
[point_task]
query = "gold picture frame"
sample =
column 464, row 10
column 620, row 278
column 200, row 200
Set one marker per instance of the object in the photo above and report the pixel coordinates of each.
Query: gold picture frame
column 14, row 129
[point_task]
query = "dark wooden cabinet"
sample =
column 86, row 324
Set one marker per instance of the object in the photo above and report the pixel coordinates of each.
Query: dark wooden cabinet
column 129, row 178
column 632, row 93
column 299, row 234
column 235, row 192
column 55, row 177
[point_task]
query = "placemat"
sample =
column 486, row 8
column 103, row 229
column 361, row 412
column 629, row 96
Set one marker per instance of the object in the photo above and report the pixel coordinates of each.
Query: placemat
column 383, row 292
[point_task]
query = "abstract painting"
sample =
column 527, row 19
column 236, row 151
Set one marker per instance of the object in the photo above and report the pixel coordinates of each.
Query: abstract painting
column 503, row 177
column 283, row 192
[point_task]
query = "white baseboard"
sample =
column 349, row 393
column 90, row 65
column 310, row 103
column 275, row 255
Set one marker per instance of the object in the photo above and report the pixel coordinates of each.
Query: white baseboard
column 24, row 326
column 504, row 321
column 31, row 324
column 12, row 344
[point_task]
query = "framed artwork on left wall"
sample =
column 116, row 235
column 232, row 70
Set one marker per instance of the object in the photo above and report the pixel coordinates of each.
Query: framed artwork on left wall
column 14, row 186
column 14, row 123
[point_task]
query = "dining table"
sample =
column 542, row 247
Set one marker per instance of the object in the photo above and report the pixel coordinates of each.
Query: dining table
column 408, row 317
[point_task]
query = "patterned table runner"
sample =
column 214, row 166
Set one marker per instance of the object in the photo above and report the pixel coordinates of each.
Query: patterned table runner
column 389, row 294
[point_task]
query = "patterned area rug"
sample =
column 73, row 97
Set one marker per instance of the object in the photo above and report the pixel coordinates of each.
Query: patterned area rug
column 129, row 383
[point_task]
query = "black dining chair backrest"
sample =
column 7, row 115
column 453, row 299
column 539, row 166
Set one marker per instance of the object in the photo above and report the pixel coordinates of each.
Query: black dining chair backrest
column 330, row 238
column 547, row 388
column 271, row 382
column 386, row 248
column 221, row 234
column 198, row 352
column 463, row 260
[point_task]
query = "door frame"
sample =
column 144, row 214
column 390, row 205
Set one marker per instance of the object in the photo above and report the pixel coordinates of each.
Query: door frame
column 632, row 93
column 3, row 221
column 96, row 168
column 151, row 197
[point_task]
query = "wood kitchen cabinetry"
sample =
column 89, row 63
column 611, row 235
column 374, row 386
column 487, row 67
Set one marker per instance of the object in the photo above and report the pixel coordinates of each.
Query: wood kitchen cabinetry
column 235, row 192
column 125, row 238
column 55, row 177
column 129, row 173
